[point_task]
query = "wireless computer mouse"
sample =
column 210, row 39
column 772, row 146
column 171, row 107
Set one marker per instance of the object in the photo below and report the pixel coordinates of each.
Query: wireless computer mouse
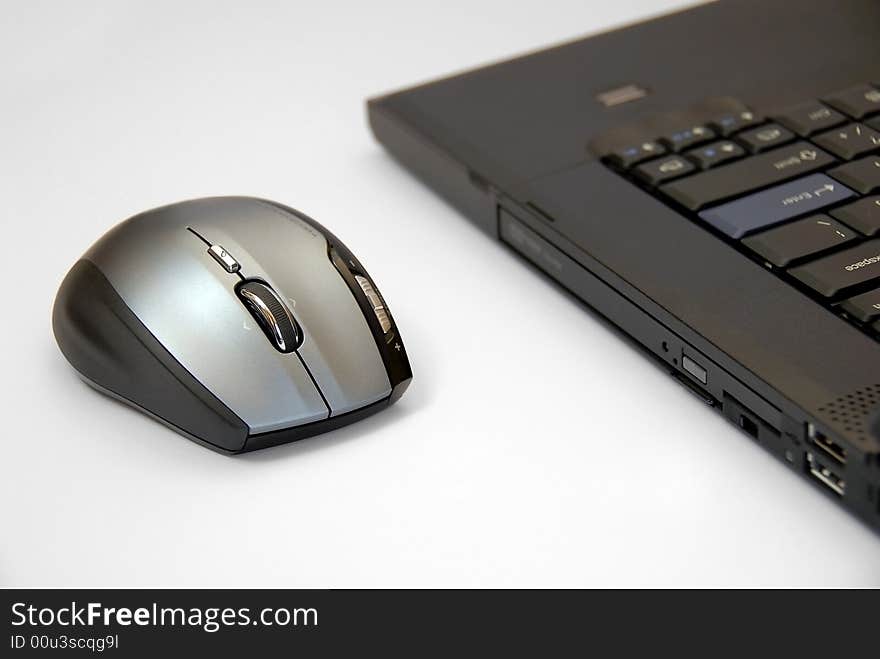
column 239, row 322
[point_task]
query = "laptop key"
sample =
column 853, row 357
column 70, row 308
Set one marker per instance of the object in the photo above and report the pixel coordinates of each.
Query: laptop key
column 788, row 162
column 800, row 189
column 663, row 169
column 727, row 124
column 809, row 118
column 861, row 175
column 857, row 102
column 863, row 215
column 631, row 155
column 793, row 242
column 764, row 209
column 850, row 141
column 864, row 307
column 764, row 138
column 715, row 154
column 837, row 274
column 687, row 137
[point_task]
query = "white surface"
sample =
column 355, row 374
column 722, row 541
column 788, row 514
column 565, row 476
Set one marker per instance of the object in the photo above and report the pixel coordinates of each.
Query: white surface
column 563, row 458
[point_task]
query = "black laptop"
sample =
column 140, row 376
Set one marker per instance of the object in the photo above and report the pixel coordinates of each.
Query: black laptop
column 709, row 182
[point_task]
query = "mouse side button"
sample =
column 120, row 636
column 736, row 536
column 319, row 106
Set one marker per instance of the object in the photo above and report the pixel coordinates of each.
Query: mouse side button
column 386, row 335
column 377, row 302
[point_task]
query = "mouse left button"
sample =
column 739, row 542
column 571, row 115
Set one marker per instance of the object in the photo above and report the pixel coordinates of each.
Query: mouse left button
column 113, row 350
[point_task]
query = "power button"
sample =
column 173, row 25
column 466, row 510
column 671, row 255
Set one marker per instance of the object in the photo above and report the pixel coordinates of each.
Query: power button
column 224, row 258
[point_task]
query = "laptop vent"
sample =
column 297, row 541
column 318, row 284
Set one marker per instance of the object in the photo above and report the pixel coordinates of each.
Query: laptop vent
column 854, row 412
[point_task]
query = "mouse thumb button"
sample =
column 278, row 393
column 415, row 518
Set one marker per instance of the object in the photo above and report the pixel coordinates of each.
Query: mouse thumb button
column 271, row 314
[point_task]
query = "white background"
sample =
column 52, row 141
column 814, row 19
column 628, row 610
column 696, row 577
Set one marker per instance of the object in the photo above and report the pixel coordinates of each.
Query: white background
column 534, row 447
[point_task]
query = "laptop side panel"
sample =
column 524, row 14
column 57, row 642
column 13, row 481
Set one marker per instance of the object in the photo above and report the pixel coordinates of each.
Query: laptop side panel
column 774, row 362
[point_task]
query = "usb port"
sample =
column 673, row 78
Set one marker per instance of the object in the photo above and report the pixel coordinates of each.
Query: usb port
column 831, row 448
column 825, row 475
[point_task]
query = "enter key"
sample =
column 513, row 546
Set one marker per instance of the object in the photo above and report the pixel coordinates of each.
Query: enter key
column 763, row 209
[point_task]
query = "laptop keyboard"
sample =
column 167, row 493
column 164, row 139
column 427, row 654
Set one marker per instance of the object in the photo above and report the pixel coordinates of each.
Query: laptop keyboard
column 799, row 191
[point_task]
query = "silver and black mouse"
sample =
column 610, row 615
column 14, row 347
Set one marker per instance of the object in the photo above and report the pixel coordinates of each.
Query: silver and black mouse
column 239, row 322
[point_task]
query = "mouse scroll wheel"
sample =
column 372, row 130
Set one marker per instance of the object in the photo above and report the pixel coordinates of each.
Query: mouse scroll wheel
column 272, row 314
